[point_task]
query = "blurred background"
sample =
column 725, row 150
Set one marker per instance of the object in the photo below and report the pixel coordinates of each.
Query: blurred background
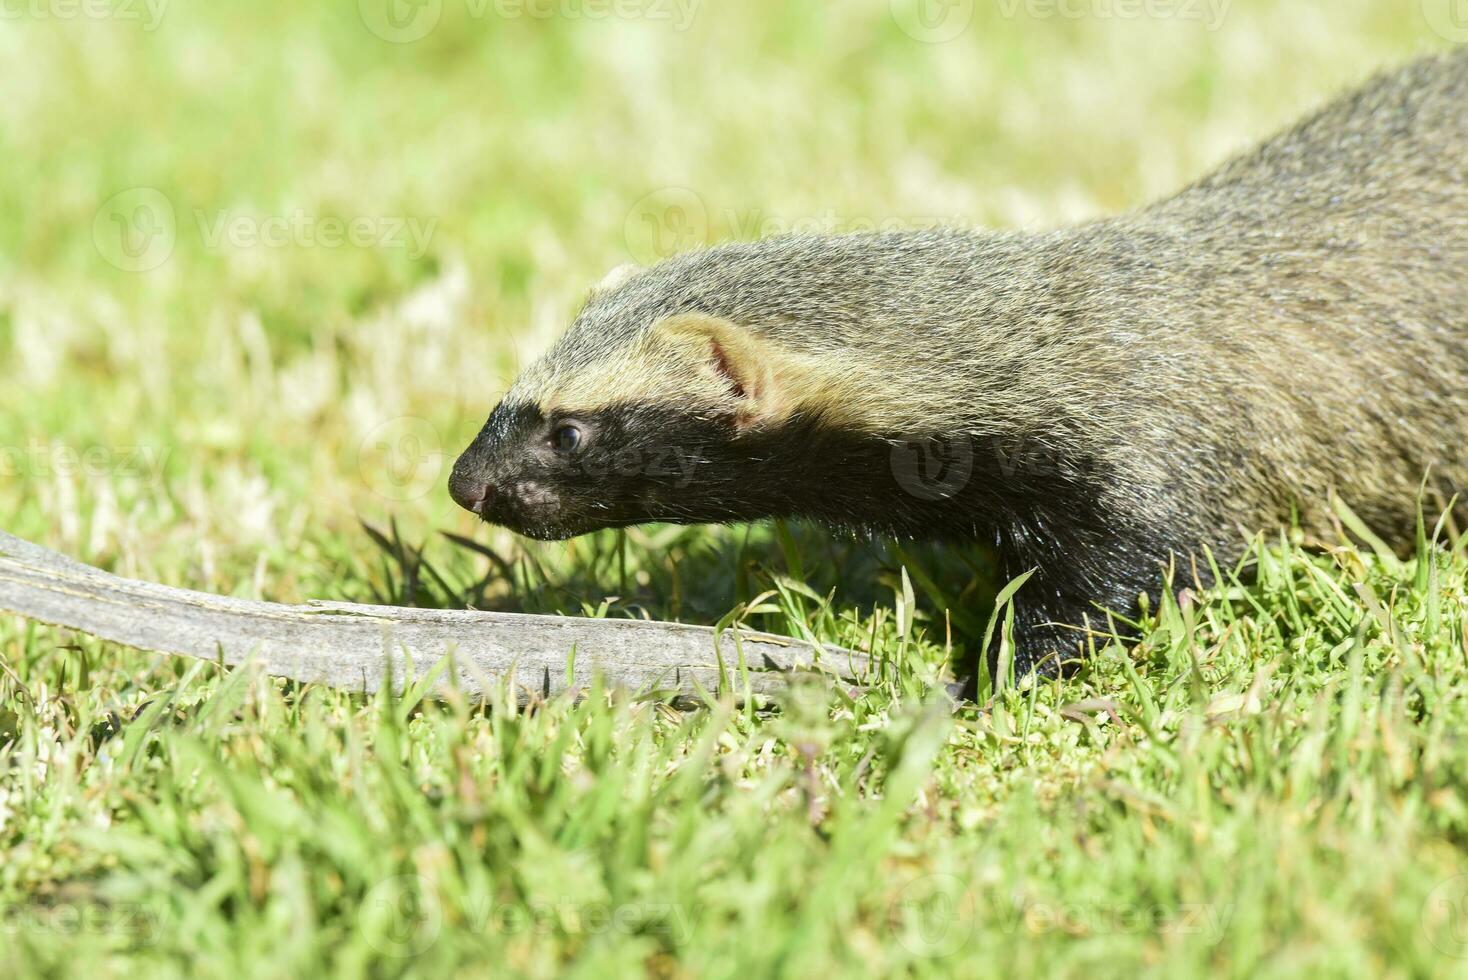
column 265, row 267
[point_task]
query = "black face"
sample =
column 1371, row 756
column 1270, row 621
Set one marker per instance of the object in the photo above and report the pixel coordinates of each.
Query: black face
column 558, row 475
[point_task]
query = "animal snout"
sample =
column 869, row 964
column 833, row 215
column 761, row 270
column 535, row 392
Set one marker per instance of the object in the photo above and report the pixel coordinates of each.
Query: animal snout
column 470, row 490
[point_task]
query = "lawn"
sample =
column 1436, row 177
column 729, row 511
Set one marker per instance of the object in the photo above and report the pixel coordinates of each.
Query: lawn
column 265, row 268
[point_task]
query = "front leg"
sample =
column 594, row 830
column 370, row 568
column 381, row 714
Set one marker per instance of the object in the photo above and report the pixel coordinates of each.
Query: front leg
column 1051, row 630
column 1078, row 577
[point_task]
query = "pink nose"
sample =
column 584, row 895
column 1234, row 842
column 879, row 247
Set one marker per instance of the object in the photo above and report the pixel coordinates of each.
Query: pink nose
column 471, row 496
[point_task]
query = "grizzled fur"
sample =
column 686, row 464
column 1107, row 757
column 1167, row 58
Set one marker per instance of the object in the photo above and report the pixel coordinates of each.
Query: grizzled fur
column 1096, row 401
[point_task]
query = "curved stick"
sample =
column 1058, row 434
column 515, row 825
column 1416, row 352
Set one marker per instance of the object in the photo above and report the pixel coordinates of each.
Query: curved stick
column 355, row 647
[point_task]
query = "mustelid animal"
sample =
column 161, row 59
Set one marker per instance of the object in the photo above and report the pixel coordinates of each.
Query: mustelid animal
column 1096, row 401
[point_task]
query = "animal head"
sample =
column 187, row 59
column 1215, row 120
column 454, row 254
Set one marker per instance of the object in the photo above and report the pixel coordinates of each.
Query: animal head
column 790, row 377
column 670, row 398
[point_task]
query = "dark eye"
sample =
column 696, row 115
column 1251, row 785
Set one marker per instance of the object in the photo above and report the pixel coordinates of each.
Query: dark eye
column 567, row 438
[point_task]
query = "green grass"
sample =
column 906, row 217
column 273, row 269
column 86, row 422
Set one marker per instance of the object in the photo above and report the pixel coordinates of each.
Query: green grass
column 1270, row 782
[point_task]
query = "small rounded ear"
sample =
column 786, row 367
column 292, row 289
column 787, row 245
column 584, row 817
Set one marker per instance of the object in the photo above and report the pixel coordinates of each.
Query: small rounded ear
column 749, row 367
column 617, row 277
